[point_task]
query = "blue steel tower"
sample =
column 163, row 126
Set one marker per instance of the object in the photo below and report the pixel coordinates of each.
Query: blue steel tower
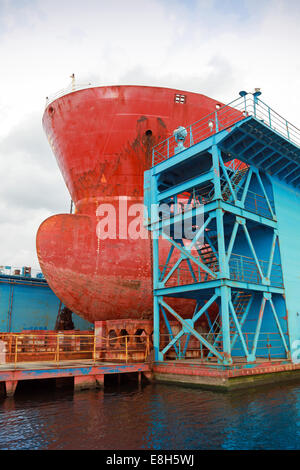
column 238, row 171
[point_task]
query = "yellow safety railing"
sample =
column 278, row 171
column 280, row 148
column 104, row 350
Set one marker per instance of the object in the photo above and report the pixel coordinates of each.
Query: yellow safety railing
column 61, row 346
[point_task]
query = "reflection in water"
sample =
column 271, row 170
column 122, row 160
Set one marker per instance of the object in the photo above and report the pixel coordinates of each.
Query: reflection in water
column 152, row 417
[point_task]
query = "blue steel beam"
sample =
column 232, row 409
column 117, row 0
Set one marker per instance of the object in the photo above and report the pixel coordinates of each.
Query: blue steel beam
column 225, row 295
column 182, row 217
column 208, row 240
column 201, row 147
column 243, row 319
column 188, row 263
column 296, row 168
column 216, row 154
column 165, row 280
column 172, row 343
column 169, row 330
column 244, row 213
column 227, row 178
column 188, row 255
column 200, row 286
column 271, row 257
column 258, row 327
column 223, row 265
column 204, row 308
column 167, row 263
column 190, row 329
column 189, row 334
column 253, row 251
column 267, row 167
column 238, row 327
column 232, row 240
column 210, row 208
column 275, row 150
column 264, row 192
column 294, row 179
column 199, row 233
column 180, row 188
column 279, row 327
column 276, row 172
column 247, row 184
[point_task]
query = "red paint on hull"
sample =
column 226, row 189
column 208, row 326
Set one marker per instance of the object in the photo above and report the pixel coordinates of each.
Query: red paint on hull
column 98, row 136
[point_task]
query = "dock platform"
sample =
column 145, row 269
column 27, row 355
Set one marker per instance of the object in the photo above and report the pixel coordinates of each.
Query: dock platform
column 87, row 373
column 217, row 376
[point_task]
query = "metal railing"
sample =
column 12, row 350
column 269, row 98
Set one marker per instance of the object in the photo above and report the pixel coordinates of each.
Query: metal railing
column 244, row 268
column 183, row 274
column 19, row 271
column 196, row 197
column 224, row 118
column 269, row 345
column 258, row 204
column 69, row 89
column 241, row 268
column 16, row 348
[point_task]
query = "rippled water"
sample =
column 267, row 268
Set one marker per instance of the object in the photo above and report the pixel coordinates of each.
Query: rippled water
column 152, row 417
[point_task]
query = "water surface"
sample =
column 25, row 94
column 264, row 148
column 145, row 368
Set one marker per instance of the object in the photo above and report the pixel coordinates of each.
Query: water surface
column 152, row 417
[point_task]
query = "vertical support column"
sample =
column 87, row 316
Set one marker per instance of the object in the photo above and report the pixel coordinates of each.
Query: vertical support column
column 223, row 261
column 225, row 292
column 84, row 382
column 100, row 380
column 10, row 386
column 100, row 333
column 216, row 168
column 265, row 296
column 156, row 331
column 156, row 273
column 225, row 296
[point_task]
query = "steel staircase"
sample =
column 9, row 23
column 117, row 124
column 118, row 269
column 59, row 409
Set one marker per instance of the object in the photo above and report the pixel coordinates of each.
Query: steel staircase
column 240, row 304
column 235, row 179
column 208, row 252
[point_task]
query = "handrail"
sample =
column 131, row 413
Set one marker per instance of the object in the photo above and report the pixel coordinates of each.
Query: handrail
column 269, row 345
column 64, row 346
column 224, row 118
column 242, row 268
column 65, row 91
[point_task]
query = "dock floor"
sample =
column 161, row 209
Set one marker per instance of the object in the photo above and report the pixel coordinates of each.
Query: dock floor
column 86, row 373
column 90, row 374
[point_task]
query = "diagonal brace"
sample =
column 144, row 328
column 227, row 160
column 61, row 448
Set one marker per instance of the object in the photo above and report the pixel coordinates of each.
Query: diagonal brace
column 190, row 329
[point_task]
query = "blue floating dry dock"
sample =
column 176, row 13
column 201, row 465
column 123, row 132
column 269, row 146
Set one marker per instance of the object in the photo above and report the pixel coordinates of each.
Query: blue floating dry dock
column 28, row 303
column 224, row 194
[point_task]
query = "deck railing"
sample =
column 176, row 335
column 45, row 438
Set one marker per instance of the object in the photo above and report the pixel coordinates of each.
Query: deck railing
column 16, row 348
column 244, row 268
column 269, row 345
column 224, row 118
column 69, row 89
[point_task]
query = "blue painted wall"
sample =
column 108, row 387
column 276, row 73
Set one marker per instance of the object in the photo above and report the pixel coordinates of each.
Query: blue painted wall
column 287, row 201
column 30, row 304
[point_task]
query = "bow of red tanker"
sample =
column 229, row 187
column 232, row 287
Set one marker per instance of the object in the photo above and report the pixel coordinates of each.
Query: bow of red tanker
column 102, row 139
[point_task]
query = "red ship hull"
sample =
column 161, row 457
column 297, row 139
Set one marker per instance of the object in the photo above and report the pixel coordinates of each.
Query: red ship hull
column 100, row 140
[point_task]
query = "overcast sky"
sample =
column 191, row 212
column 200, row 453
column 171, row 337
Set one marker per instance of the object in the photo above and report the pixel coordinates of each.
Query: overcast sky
column 214, row 47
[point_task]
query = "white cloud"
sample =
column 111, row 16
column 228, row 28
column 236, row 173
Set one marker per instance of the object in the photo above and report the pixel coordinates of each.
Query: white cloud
column 214, row 47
